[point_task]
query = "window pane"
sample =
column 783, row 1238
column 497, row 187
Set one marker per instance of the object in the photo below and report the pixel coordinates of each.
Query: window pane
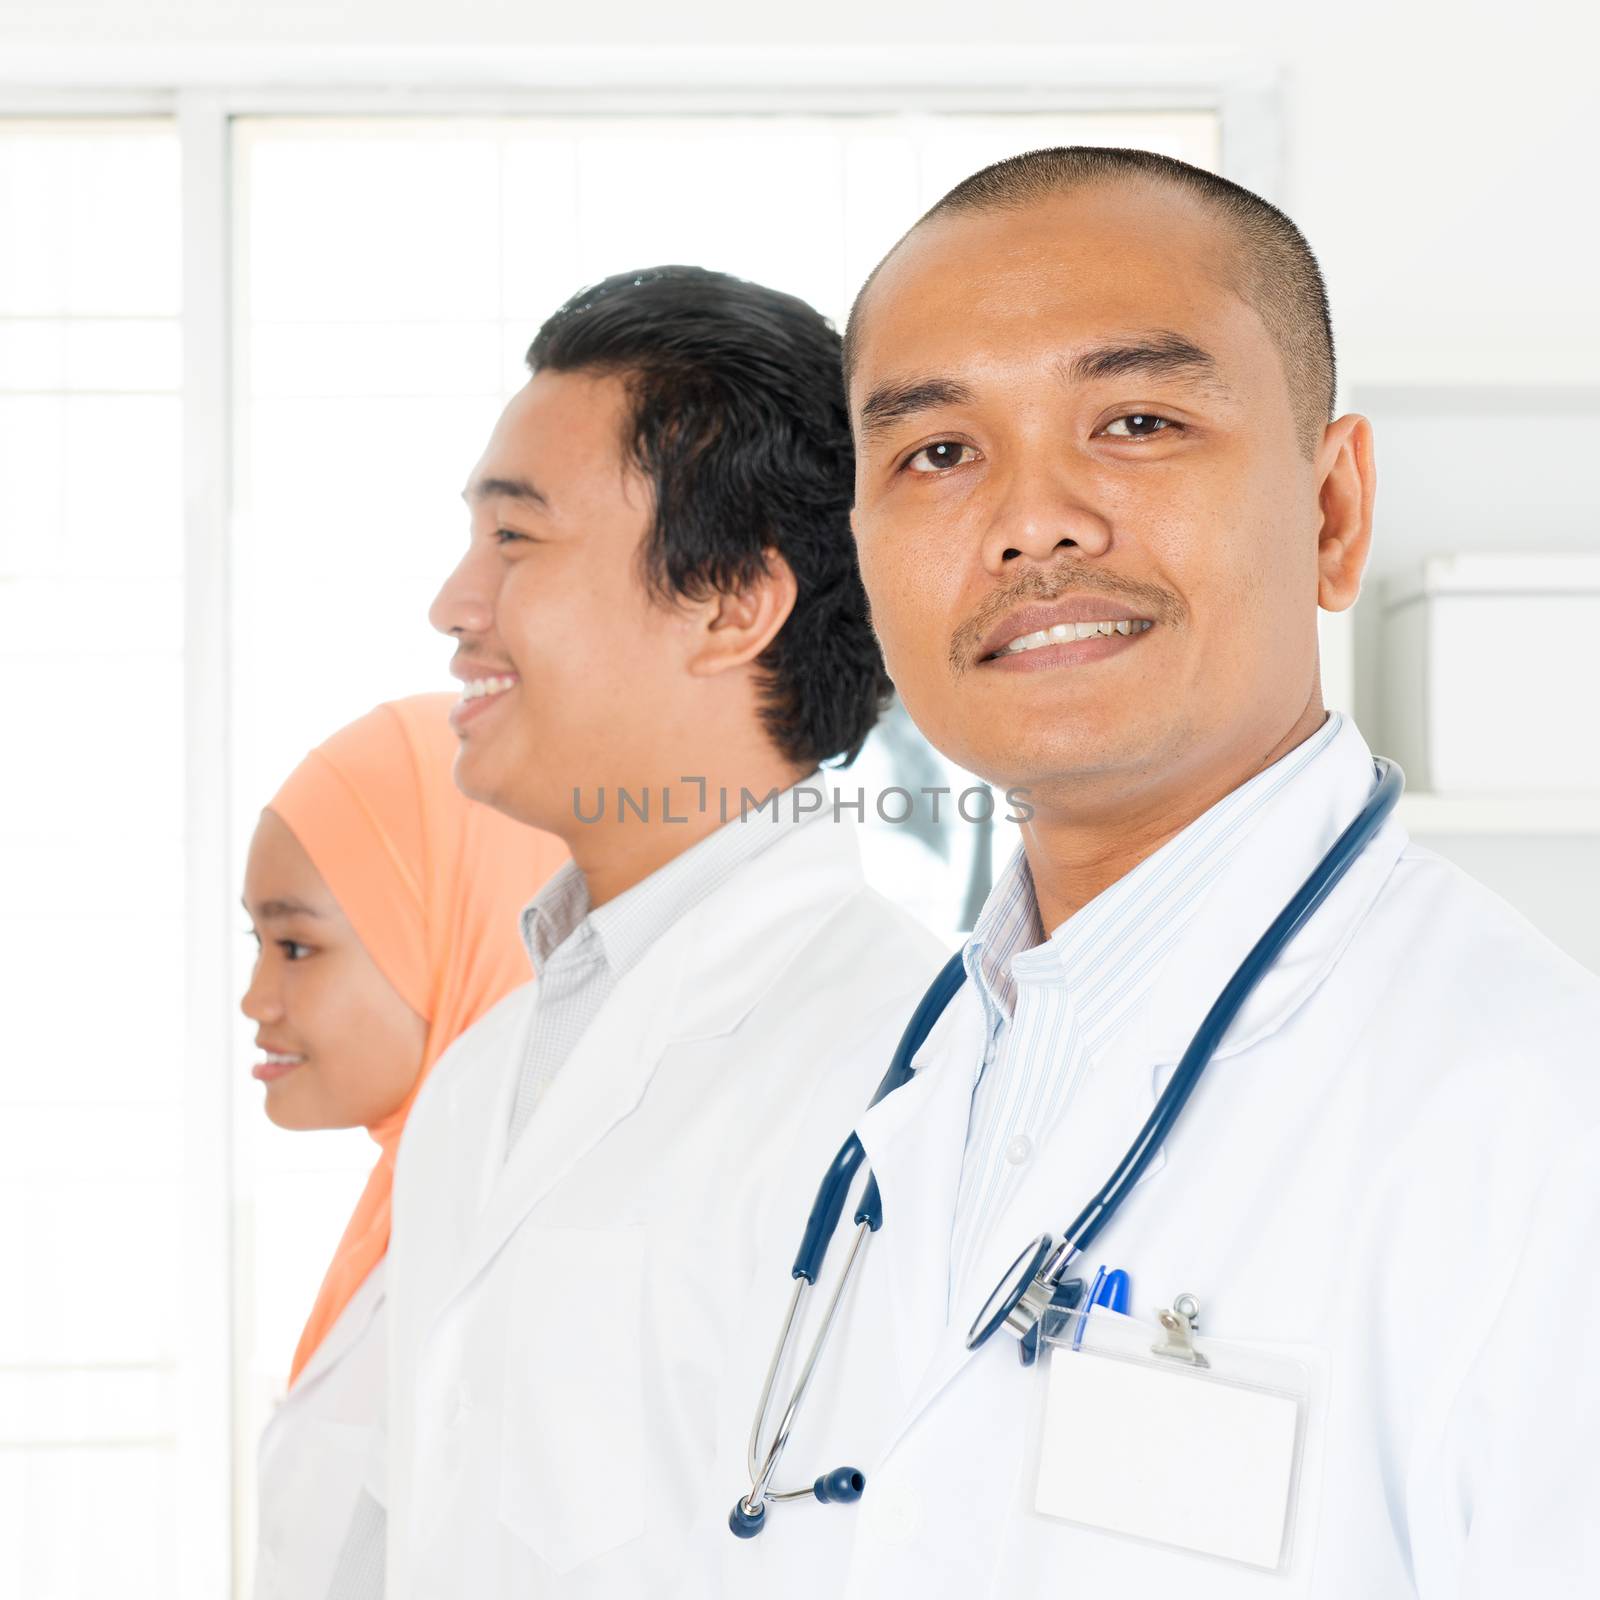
column 88, row 1521
column 351, row 222
column 91, row 854
column 90, row 212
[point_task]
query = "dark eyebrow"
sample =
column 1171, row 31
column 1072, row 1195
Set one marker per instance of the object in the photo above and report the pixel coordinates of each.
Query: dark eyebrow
column 895, row 401
column 1160, row 355
column 273, row 910
column 507, row 489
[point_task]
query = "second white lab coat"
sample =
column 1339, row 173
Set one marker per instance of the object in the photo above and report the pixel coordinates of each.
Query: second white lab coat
column 317, row 1451
column 1391, row 1174
column 561, row 1320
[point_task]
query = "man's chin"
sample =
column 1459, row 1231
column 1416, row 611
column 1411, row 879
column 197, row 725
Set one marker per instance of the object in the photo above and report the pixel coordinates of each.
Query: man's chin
column 1052, row 771
column 481, row 780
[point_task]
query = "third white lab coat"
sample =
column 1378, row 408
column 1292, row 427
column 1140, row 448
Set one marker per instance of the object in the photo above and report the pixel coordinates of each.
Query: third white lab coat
column 561, row 1320
column 317, row 1451
column 1391, row 1172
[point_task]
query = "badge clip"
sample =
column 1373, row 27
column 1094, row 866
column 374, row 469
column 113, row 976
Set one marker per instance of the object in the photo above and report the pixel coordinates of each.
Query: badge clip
column 1178, row 1324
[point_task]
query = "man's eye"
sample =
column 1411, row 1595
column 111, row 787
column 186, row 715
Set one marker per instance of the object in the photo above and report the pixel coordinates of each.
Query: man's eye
column 1137, row 425
column 941, row 456
column 293, row 950
column 507, row 536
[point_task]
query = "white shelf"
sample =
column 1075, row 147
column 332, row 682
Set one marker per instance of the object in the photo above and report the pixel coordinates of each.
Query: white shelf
column 1574, row 812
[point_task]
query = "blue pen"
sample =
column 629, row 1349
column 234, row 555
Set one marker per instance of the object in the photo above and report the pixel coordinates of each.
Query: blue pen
column 1116, row 1292
column 1112, row 1290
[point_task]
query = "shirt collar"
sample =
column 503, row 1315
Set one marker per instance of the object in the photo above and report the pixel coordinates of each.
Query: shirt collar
column 554, row 914
column 559, row 921
column 1122, row 934
column 1008, row 924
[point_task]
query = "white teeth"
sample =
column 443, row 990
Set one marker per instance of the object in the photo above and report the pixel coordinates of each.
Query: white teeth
column 1063, row 631
column 1032, row 641
column 477, row 688
column 275, row 1060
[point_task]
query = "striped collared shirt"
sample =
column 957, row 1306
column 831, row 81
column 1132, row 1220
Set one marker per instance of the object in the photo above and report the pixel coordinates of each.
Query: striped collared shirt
column 581, row 954
column 1051, row 1006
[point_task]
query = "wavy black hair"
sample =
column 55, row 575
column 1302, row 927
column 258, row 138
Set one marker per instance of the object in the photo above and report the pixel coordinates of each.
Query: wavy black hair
column 738, row 422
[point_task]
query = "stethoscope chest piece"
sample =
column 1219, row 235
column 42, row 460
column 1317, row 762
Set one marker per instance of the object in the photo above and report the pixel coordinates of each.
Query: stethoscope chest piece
column 1019, row 1299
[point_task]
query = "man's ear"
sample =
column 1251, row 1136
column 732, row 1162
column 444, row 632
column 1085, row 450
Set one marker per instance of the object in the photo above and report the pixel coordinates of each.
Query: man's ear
column 735, row 628
column 1347, row 482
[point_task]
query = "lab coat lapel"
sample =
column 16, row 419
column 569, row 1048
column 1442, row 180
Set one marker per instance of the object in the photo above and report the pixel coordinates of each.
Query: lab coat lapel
column 599, row 1084
column 914, row 1141
column 699, row 980
column 1280, row 853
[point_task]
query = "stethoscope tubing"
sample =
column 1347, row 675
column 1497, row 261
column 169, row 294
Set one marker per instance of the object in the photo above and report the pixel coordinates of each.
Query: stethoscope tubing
column 820, row 1226
column 1324, row 877
column 1095, row 1216
column 761, row 1475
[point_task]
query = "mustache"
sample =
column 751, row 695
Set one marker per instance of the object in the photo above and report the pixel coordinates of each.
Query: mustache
column 1042, row 585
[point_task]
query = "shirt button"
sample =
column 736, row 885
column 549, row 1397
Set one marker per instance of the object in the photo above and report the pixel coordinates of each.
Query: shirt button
column 1019, row 1149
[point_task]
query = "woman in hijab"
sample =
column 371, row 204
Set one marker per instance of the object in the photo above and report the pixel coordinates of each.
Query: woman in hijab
column 386, row 906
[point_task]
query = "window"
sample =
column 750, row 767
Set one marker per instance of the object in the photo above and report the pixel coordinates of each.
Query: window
column 92, row 858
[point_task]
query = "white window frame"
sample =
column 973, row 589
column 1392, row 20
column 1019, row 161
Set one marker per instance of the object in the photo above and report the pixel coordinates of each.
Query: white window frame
column 204, row 90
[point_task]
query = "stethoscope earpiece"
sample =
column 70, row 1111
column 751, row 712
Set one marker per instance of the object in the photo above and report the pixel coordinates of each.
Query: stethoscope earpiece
column 841, row 1487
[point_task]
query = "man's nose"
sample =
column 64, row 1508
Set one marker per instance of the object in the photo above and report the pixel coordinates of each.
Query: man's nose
column 1040, row 513
column 464, row 604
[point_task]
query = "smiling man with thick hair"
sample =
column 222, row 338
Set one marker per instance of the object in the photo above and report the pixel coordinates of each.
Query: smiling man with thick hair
column 659, row 598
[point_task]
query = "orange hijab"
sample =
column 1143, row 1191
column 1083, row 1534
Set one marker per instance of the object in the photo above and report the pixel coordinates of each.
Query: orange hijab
column 431, row 882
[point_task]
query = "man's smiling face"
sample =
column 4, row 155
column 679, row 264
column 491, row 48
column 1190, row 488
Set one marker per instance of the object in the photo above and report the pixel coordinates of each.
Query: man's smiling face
column 1067, row 415
column 573, row 669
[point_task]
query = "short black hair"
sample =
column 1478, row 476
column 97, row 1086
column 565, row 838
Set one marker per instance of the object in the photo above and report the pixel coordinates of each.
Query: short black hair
column 1279, row 275
column 738, row 422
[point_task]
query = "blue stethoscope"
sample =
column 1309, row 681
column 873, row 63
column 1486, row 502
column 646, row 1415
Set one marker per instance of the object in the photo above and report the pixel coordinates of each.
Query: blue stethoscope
column 1034, row 1282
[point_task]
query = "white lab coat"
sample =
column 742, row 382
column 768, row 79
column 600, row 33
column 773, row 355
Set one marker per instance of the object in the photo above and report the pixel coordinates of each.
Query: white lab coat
column 1391, row 1172
column 560, row 1321
column 317, row 1450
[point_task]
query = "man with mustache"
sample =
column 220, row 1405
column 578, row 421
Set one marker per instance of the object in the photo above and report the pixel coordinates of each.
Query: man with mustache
column 1100, row 495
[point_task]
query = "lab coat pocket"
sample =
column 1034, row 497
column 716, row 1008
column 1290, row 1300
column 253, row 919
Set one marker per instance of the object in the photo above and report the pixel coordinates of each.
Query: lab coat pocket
column 572, row 1437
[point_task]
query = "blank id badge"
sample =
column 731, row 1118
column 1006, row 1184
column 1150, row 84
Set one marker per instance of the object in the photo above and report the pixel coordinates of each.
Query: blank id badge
column 1157, row 1433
